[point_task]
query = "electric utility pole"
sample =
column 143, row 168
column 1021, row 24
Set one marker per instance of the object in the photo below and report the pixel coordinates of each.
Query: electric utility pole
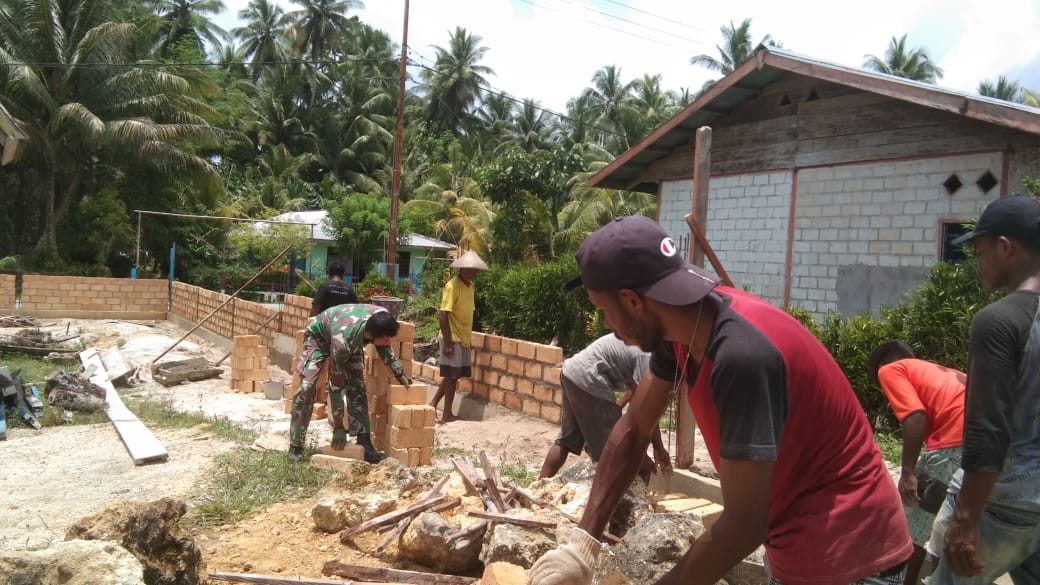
column 395, row 189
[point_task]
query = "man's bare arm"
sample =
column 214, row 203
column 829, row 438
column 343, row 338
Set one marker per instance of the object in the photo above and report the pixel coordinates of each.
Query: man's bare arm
column 624, row 452
column 447, row 343
column 740, row 529
column 914, row 426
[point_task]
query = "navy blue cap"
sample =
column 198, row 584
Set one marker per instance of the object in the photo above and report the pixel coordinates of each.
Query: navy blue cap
column 636, row 253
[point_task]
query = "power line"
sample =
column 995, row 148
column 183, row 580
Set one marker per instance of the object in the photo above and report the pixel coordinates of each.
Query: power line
column 658, row 16
column 615, row 29
column 639, row 24
column 157, row 64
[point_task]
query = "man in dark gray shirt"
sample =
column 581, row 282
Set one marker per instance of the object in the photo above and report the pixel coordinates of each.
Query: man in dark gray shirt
column 589, row 380
column 990, row 522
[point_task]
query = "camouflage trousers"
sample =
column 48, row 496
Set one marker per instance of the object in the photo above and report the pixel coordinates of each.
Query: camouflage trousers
column 345, row 380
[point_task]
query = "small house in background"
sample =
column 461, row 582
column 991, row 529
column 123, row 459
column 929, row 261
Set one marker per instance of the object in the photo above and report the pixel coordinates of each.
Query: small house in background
column 832, row 188
column 412, row 253
column 12, row 138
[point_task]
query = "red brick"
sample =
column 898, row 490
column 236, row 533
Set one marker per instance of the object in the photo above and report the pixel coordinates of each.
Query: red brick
column 551, row 413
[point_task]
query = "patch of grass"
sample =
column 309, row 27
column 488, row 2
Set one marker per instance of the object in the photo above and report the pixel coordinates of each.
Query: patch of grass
column 162, row 413
column 452, row 452
column 244, row 481
column 891, row 445
column 33, row 370
column 522, row 475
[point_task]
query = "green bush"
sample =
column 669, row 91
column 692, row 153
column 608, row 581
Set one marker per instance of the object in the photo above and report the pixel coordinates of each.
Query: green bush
column 423, row 308
column 528, row 302
column 378, row 284
column 208, row 277
column 934, row 320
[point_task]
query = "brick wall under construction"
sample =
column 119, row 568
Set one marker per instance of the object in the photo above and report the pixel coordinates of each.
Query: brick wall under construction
column 82, row 294
column 7, row 297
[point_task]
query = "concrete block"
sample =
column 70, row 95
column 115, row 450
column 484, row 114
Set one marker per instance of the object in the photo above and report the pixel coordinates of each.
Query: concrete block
column 348, row 452
column 414, row 394
column 338, row 464
column 503, row 573
column 401, row 416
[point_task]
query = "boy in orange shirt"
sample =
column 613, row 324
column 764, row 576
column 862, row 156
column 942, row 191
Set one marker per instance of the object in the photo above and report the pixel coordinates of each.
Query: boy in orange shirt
column 928, row 400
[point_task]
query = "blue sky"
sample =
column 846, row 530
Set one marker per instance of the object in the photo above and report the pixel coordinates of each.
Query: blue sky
column 549, row 50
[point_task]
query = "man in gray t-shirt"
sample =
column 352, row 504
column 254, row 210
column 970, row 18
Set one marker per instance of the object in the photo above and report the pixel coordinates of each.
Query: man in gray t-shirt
column 589, row 380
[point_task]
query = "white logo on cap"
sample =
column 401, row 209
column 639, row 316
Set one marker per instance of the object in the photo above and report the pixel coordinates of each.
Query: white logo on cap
column 668, row 247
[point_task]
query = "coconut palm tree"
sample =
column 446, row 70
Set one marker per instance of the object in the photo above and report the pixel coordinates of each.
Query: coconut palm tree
column 456, row 82
column 655, row 104
column 736, row 47
column 459, row 209
column 531, row 130
column 188, row 19
column 263, row 36
column 1004, row 89
column 901, row 61
column 80, row 117
column 319, row 25
column 607, row 97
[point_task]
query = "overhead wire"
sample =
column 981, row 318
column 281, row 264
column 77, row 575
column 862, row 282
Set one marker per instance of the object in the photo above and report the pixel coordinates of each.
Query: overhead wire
column 608, row 27
column 632, row 22
column 658, row 16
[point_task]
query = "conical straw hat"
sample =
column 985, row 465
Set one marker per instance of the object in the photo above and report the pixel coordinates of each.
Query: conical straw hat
column 469, row 260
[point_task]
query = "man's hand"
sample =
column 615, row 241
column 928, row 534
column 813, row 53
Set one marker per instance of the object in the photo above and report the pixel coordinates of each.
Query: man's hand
column 448, row 348
column 568, row 564
column 339, row 438
column 405, row 380
column 908, row 487
column 663, row 461
column 960, row 548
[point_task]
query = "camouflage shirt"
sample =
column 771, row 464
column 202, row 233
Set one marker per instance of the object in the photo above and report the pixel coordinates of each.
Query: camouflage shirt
column 343, row 327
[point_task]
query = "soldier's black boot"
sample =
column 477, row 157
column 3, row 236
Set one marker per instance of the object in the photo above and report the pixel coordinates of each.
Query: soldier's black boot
column 295, row 454
column 371, row 455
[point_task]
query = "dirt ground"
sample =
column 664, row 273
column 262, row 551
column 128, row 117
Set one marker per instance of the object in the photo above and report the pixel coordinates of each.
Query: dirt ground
column 55, row 476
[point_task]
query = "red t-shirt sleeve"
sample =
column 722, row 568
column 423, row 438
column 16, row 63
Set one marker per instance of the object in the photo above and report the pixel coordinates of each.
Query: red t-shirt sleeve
column 900, row 392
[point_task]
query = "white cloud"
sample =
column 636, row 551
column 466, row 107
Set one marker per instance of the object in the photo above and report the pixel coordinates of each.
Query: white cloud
column 549, row 50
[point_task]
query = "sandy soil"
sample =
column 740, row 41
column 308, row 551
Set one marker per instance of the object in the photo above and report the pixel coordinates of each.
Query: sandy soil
column 55, row 476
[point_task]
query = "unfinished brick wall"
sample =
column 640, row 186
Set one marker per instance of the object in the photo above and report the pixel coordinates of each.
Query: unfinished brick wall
column 517, row 374
column 6, row 292
column 81, row 293
column 237, row 317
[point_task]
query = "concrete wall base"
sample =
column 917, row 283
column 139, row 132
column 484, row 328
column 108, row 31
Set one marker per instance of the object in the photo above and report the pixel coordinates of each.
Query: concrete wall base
column 217, row 340
column 65, row 314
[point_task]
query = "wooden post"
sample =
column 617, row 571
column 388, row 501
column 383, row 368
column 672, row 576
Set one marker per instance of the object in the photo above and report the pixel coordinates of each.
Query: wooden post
column 687, row 426
column 701, row 178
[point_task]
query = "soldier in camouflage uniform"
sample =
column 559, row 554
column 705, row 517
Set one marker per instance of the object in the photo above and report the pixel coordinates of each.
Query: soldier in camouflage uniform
column 342, row 332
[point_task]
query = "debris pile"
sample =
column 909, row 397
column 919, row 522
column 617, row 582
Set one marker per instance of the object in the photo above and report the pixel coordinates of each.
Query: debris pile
column 33, row 341
column 71, row 392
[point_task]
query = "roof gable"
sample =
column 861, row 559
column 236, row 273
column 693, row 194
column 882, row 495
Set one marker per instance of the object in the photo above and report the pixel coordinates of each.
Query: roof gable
column 767, row 66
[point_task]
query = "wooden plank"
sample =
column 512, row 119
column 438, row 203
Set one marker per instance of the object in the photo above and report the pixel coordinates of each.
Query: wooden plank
column 389, row 518
column 512, row 519
column 681, row 504
column 277, row 580
column 364, row 573
column 139, row 441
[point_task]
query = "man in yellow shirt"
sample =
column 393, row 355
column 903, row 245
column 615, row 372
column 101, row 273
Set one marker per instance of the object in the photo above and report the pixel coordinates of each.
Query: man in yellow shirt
column 456, row 318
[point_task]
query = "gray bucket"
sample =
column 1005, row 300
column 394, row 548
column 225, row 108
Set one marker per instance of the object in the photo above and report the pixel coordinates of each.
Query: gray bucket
column 272, row 389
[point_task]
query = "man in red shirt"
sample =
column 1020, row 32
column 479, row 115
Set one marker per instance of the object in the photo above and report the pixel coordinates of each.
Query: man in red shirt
column 797, row 463
column 928, row 401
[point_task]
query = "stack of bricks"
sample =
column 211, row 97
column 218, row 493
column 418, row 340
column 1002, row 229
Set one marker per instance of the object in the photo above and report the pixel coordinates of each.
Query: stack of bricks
column 402, row 422
column 249, row 367
column 409, row 436
column 321, row 397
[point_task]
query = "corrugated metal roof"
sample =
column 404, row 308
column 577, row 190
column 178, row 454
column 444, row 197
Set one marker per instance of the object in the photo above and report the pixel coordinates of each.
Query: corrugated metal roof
column 768, row 64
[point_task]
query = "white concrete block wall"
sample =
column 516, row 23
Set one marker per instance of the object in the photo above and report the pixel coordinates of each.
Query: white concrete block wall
column 877, row 215
column 747, row 226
